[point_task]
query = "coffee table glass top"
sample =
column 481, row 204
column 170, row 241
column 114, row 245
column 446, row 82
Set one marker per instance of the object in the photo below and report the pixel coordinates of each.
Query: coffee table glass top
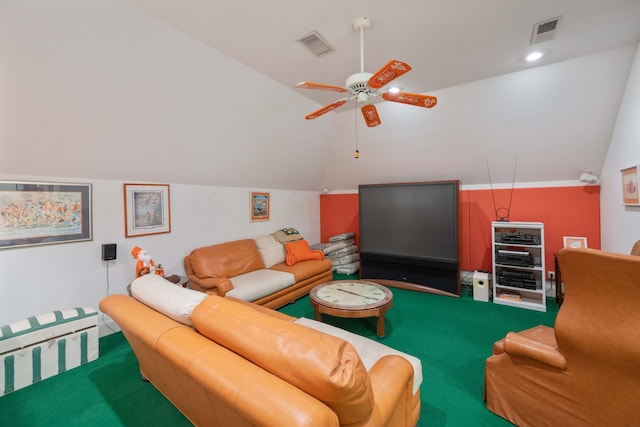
column 356, row 294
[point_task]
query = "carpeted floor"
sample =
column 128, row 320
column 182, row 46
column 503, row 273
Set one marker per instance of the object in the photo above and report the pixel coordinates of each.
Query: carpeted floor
column 452, row 337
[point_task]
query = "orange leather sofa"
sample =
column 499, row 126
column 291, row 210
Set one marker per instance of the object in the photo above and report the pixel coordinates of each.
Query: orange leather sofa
column 255, row 271
column 585, row 371
column 241, row 364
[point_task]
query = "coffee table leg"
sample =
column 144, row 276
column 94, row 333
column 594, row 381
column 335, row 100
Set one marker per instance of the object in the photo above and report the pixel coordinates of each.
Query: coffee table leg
column 380, row 326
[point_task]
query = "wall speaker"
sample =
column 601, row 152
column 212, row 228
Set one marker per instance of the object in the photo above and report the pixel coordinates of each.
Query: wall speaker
column 481, row 286
column 109, row 251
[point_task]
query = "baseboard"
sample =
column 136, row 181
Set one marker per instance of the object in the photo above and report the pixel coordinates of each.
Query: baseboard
column 107, row 327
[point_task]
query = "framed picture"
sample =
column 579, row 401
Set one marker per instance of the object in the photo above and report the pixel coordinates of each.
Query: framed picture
column 40, row 213
column 575, row 242
column 260, row 206
column 630, row 186
column 147, row 209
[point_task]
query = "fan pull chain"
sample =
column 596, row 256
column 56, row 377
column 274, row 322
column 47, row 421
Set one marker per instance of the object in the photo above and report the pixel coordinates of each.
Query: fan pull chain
column 356, row 154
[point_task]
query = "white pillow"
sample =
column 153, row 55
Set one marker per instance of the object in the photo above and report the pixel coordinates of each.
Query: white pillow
column 171, row 300
column 271, row 251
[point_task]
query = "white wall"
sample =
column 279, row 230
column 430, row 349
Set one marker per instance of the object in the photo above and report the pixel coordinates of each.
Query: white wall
column 555, row 119
column 38, row 279
column 100, row 92
column 620, row 224
column 100, row 89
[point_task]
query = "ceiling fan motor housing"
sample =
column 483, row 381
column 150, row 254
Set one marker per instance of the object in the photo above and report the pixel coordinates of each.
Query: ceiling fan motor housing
column 357, row 83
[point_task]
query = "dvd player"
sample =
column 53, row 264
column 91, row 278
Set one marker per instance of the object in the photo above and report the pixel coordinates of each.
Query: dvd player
column 516, row 258
column 521, row 239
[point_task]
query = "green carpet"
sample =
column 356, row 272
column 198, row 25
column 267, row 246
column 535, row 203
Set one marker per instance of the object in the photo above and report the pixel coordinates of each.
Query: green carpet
column 105, row 392
column 452, row 337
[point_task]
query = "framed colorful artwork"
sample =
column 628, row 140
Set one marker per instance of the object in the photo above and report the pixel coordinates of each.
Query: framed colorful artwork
column 574, row 242
column 630, row 186
column 260, row 206
column 147, row 209
column 40, row 213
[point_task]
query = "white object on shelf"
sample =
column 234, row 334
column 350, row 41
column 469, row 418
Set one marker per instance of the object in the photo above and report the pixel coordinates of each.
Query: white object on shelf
column 518, row 264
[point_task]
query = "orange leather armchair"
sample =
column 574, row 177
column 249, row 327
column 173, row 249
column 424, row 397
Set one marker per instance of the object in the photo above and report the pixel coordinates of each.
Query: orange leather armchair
column 585, row 371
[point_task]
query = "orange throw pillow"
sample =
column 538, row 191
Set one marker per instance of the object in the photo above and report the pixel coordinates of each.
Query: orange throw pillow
column 300, row 251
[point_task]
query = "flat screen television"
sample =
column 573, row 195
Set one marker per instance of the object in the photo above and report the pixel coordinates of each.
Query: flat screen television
column 409, row 232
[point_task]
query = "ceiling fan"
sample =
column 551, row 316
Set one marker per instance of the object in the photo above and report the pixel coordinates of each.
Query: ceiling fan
column 363, row 86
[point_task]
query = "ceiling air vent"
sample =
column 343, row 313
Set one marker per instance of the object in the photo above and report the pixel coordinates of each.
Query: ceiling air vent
column 316, row 44
column 545, row 30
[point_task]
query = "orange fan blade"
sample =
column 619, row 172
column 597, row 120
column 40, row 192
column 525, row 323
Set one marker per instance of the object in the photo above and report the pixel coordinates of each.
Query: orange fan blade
column 416, row 99
column 391, row 71
column 370, row 114
column 326, row 109
column 320, row 86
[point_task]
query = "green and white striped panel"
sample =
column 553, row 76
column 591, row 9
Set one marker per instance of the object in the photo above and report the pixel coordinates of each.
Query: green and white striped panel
column 45, row 345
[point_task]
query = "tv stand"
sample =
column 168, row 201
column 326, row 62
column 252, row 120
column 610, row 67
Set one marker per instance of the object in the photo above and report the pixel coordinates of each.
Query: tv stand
column 412, row 287
column 425, row 275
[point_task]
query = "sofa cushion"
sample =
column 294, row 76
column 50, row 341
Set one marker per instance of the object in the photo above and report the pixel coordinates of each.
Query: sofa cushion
column 226, row 260
column 259, row 283
column 305, row 270
column 300, row 251
column 271, row 250
column 322, row 365
column 369, row 351
column 173, row 301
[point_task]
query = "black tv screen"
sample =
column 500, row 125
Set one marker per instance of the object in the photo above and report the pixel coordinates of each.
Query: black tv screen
column 414, row 220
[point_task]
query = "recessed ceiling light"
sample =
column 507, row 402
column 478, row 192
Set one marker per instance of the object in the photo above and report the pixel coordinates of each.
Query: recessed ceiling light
column 534, row 56
column 394, row 89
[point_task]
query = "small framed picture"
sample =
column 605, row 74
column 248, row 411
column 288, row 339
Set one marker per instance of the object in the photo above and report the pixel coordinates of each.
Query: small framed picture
column 630, row 186
column 575, row 242
column 147, row 209
column 260, row 206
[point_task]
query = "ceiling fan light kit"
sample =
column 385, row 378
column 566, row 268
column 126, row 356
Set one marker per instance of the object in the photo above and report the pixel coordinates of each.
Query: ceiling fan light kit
column 363, row 86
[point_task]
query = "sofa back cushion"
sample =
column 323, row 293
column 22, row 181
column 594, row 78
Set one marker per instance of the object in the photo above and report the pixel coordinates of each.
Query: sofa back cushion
column 226, row 260
column 271, row 250
column 171, row 300
column 321, row 365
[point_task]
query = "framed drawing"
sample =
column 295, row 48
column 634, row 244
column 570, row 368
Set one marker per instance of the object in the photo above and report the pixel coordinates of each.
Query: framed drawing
column 260, row 206
column 630, row 186
column 40, row 213
column 575, row 242
column 147, row 209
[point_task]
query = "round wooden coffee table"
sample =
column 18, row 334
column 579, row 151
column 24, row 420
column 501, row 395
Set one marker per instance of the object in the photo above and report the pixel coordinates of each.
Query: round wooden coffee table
column 352, row 299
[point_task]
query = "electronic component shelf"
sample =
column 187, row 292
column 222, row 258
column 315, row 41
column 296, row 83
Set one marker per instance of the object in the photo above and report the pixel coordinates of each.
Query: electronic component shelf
column 518, row 264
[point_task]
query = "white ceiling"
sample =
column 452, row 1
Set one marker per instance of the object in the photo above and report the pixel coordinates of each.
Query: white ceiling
column 104, row 76
column 447, row 43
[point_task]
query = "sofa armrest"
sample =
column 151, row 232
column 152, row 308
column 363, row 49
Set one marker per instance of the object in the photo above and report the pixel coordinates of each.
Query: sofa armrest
column 392, row 383
column 211, row 285
column 517, row 345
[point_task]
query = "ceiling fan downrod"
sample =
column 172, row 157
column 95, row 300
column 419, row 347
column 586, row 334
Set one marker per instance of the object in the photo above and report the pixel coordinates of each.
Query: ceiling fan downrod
column 361, row 24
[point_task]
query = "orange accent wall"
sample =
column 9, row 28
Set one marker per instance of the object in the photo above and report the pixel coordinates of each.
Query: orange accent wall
column 339, row 214
column 565, row 211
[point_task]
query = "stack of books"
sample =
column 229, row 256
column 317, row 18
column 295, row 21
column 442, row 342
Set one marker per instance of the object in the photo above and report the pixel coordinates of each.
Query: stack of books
column 510, row 296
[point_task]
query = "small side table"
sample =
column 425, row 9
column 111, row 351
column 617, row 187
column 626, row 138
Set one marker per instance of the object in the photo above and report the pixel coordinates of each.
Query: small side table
column 178, row 280
column 182, row 281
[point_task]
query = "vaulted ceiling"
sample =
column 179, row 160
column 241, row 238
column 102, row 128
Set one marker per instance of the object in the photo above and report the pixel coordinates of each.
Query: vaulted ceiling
column 203, row 91
column 447, row 43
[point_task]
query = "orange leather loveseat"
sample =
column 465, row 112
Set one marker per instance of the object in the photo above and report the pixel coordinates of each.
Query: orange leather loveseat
column 585, row 371
column 254, row 270
column 224, row 362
